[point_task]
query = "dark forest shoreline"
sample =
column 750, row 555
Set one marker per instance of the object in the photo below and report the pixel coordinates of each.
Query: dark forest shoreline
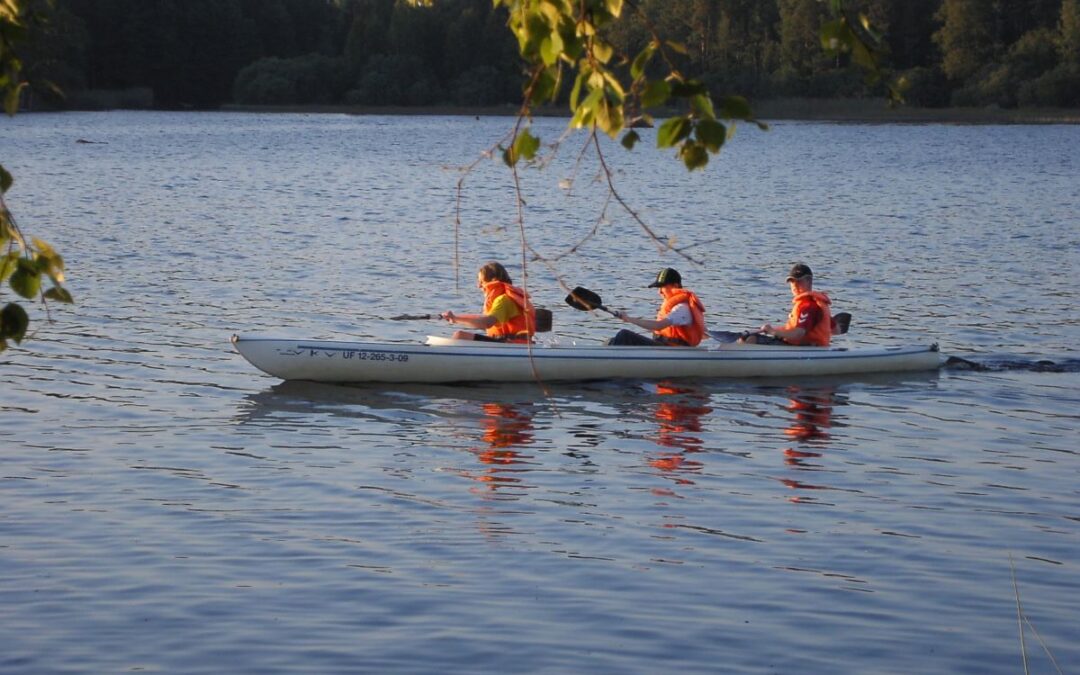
column 816, row 110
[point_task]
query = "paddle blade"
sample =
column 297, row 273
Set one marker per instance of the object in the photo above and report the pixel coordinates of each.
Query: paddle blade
column 412, row 317
column 584, row 299
column 543, row 320
column 840, row 323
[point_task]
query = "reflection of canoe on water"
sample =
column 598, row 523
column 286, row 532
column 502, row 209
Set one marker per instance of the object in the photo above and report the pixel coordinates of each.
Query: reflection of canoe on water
column 446, row 360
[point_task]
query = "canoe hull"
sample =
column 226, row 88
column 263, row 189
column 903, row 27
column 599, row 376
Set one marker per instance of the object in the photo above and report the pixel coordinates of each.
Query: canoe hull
column 444, row 360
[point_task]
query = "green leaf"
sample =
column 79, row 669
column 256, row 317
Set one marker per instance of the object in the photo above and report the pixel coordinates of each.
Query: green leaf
column 861, row 55
column 711, row 134
column 13, row 322
column 585, row 114
column 11, row 98
column 602, row 51
column 672, row 132
column 836, row 37
column 26, row 280
column 550, row 48
column 678, row 47
column 8, row 264
column 637, row 68
column 656, row 93
column 546, row 86
column 688, row 89
column 6, row 180
column 736, row 108
column 614, row 7
column 630, row 140
column 609, row 117
column 694, row 155
column 702, row 106
column 575, row 92
column 59, row 294
column 526, row 145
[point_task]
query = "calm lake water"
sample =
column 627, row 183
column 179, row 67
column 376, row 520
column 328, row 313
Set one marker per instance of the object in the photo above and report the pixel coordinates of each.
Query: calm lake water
column 168, row 508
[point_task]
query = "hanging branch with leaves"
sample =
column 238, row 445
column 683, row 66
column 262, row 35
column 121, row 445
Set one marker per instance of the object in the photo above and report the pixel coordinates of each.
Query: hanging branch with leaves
column 23, row 264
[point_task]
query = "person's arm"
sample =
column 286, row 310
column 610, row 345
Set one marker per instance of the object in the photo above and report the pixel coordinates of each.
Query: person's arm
column 647, row 324
column 480, row 321
column 679, row 316
column 808, row 316
column 786, row 334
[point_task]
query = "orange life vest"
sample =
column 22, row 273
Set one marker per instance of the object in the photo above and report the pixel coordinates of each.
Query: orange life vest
column 821, row 332
column 521, row 327
column 692, row 333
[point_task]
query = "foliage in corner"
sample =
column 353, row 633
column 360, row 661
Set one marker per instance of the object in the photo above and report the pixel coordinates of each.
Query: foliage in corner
column 562, row 42
column 23, row 264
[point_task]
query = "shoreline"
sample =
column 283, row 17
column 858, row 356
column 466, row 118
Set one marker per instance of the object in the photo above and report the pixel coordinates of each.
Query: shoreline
column 855, row 111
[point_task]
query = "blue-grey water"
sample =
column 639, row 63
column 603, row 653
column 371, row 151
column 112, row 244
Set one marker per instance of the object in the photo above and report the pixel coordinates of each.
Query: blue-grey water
column 165, row 507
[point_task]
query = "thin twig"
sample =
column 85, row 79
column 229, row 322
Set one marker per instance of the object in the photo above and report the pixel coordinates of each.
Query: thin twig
column 1019, row 615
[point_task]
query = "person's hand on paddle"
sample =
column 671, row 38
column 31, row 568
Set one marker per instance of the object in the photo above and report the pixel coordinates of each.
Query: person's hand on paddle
column 447, row 316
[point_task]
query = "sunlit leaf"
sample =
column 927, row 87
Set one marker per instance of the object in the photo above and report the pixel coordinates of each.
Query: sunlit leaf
column 637, row 68
column 550, row 48
column 602, row 51
column 13, row 322
column 585, row 114
column 575, row 92
column 614, row 7
column 672, row 131
column 526, row 145
column 8, row 264
column 609, row 117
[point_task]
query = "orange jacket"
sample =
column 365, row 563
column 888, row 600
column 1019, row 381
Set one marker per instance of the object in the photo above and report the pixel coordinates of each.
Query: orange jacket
column 821, row 332
column 521, row 327
column 690, row 334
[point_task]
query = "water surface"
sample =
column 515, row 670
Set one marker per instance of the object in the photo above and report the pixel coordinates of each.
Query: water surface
column 168, row 508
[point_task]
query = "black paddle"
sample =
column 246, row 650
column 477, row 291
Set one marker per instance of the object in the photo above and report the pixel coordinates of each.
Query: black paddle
column 543, row 319
column 840, row 324
column 586, row 301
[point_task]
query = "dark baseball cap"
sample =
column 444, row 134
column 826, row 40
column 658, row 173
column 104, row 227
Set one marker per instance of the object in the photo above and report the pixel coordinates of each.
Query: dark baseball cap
column 799, row 271
column 665, row 277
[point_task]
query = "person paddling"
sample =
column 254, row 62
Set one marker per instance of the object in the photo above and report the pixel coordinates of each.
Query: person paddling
column 810, row 321
column 508, row 314
column 680, row 321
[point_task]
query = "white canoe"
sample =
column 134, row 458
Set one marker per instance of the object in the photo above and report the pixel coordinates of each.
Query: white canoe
column 447, row 360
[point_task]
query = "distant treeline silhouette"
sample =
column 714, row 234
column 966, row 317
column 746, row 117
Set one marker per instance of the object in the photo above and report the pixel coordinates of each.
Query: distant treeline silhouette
column 205, row 53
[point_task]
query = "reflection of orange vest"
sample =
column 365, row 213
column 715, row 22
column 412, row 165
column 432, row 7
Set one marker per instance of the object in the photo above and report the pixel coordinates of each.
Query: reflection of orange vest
column 821, row 332
column 522, row 326
column 692, row 333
